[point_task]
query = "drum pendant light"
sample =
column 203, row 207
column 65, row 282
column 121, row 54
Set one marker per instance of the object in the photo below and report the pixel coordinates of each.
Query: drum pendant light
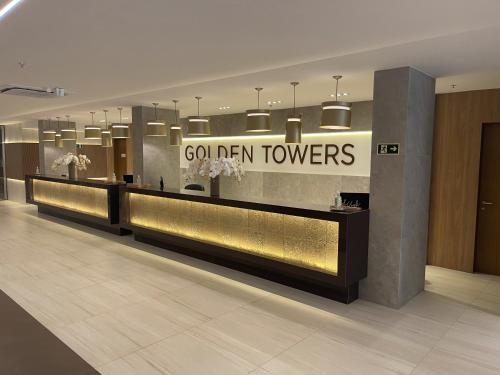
column 156, row 128
column 198, row 125
column 336, row 115
column 258, row 120
column 119, row 131
column 58, row 139
column 68, row 133
column 92, row 131
column 106, row 140
column 294, row 123
column 49, row 134
column 175, row 129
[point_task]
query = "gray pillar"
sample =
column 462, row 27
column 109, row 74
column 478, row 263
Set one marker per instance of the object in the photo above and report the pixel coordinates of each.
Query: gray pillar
column 153, row 156
column 403, row 112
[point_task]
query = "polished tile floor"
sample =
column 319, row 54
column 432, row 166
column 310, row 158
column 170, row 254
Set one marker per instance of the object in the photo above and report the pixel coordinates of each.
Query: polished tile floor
column 126, row 310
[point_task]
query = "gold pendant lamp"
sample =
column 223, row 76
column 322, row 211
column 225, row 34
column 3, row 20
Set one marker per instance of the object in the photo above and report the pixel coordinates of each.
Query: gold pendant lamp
column 198, row 125
column 106, row 140
column 120, row 130
column 49, row 134
column 335, row 114
column 92, row 131
column 258, row 120
column 294, row 123
column 58, row 138
column 69, row 132
column 175, row 129
column 156, row 128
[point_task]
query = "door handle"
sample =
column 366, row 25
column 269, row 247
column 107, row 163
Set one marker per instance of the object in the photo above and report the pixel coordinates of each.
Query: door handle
column 487, row 203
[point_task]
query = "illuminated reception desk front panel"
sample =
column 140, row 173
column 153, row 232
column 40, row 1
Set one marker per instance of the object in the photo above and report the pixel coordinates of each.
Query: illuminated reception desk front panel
column 90, row 202
column 311, row 249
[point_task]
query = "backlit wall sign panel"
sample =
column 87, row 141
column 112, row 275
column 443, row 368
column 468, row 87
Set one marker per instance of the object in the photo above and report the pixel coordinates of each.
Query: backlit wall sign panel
column 346, row 154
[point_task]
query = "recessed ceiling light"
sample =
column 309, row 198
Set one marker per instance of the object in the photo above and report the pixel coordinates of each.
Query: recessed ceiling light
column 224, row 107
column 8, row 7
column 102, row 120
column 271, row 102
column 339, row 94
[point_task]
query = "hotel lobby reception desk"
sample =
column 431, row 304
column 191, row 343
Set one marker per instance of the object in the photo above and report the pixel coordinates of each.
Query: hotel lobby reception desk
column 90, row 202
column 309, row 248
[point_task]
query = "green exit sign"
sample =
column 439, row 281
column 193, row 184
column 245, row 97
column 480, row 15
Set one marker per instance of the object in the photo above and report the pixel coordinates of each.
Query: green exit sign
column 388, row 149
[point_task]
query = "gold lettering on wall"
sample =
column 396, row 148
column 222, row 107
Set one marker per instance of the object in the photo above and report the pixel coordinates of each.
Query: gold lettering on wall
column 304, row 242
column 84, row 199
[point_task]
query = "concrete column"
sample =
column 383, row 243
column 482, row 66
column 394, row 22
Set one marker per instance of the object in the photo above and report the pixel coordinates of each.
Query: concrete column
column 153, row 156
column 403, row 112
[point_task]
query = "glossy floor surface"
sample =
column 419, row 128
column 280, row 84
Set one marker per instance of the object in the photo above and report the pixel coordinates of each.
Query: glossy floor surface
column 126, row 310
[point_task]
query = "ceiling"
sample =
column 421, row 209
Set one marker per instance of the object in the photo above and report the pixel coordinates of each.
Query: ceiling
column 126, row 52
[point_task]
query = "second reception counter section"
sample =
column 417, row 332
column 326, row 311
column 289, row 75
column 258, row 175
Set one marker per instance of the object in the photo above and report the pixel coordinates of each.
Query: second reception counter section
column 309, row 248
column 90, row 202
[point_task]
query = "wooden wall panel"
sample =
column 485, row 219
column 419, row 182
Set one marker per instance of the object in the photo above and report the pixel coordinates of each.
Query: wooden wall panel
column 99, row 161
column 20, row 159
column 455, row 175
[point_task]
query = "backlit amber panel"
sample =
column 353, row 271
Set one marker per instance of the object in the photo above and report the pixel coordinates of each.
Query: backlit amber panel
column 305, row 242
column 84, row 199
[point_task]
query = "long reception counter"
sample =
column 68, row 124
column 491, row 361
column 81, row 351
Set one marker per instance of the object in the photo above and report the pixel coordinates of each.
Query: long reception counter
column 307, row 247
column 91, row 202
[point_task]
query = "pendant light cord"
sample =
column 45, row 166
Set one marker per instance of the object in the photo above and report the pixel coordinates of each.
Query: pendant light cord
column 175, row 110
column 337, row 78
column 156, row 113
column 294, row 84
column 259, row 89
column 106, row 118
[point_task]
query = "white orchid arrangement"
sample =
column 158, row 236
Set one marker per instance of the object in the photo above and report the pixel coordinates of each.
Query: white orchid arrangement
column 214, row 167
column 81, row 161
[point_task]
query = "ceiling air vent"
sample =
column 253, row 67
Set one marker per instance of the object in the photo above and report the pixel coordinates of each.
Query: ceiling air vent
column 33, row 92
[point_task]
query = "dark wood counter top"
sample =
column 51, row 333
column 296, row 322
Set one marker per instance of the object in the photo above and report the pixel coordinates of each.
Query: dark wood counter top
column 77, row 181
column 314, row 211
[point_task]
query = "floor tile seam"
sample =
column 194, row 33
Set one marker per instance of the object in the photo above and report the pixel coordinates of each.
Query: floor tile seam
column 466, row 358
column 434, row 346
column 287, row 349
column 135, row 351
column 368, row 349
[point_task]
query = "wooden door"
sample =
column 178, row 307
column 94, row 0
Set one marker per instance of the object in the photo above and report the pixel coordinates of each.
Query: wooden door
column 120, row 157
column 487, row 256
